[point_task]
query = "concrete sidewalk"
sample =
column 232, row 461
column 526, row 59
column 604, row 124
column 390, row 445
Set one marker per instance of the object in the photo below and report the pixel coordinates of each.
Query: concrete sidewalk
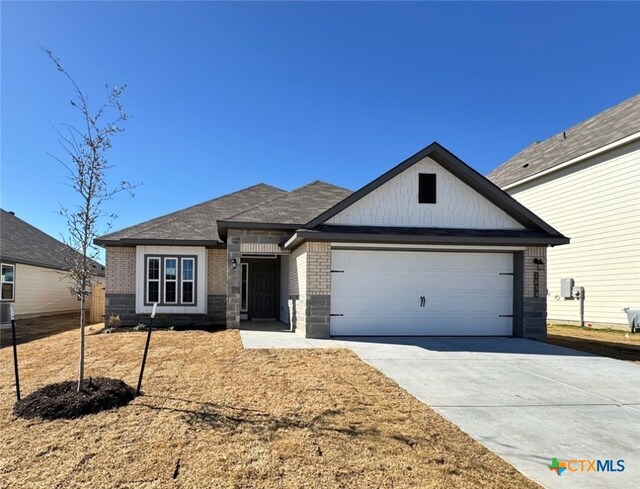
column 265, row 339
column 526, row 401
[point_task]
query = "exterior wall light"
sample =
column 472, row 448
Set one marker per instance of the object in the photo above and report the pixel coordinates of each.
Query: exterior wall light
column 234, row 263
column 539, row 263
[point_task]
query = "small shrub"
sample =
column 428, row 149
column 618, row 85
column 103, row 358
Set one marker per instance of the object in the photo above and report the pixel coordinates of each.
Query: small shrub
column 140, row 327
column 108, row 330
column 113, row 321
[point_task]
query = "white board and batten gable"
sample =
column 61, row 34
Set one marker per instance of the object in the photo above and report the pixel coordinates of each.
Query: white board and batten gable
column 395, row 203
column 200, row 252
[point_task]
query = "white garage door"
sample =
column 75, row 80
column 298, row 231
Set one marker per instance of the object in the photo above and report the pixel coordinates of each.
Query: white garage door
column 421, row 293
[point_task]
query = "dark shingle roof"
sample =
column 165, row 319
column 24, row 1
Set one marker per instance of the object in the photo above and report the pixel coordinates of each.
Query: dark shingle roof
column 199, row 222
column 296, row 207
column 20, row 242
column 605, row 128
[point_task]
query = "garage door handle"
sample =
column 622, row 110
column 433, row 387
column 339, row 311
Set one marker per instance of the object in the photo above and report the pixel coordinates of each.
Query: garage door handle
column 423, row 301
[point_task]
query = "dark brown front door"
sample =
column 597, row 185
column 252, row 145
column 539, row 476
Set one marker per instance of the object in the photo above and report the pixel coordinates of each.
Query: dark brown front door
column 263, row 291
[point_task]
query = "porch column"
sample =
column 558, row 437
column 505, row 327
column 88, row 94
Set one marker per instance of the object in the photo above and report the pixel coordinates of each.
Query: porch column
column 234, row 280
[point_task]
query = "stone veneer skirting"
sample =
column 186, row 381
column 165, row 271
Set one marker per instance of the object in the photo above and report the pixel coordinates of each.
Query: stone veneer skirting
column 217, row 308
column 534, row 321
column 124, row 305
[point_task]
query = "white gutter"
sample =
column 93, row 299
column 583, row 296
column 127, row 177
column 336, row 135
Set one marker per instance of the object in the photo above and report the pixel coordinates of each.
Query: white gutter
column 586, row 156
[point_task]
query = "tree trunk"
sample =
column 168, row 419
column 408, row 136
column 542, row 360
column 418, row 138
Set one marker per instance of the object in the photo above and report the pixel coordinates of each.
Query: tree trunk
column 81, row 366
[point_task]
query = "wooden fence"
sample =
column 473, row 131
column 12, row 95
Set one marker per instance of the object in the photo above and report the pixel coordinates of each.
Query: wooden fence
column 96, row 304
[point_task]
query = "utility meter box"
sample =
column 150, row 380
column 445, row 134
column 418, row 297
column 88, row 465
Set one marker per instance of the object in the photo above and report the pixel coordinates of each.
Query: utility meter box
column 566, row 288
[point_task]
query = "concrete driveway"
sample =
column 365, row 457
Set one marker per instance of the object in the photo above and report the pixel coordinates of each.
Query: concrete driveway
column 527, row 401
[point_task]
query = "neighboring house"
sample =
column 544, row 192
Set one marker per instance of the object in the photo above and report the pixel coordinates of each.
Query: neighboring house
column 429, row 248
column 585, row 182
column 33, row 266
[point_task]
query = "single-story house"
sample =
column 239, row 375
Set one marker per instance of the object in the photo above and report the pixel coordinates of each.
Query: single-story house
column 431, row 247
column 33, row 269
column 584, row 181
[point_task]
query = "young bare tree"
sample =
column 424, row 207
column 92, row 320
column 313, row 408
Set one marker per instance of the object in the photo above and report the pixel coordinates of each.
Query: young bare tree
column 86, row 147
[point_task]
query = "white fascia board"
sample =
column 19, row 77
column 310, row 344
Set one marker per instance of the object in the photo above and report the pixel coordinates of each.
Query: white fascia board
column 578, row 159
column 291, row 240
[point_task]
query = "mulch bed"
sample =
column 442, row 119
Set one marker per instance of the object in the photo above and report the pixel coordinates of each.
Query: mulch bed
column 61, row 400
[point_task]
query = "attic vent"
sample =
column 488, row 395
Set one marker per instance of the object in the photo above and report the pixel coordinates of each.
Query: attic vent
column 525, row 165
column 427, row 188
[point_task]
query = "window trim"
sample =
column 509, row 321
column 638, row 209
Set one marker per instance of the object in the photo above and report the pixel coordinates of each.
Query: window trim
column 192, row 281
column 13, row 282
column 427, row 188
column 148, row 258
column 178, row 281
column 166, row 281
column 244, row 293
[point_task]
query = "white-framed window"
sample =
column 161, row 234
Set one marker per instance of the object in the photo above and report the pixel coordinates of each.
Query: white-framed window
column 170, row 280
column 153, row 279
column 188, row 266
column 8, row 282
column 244, row 290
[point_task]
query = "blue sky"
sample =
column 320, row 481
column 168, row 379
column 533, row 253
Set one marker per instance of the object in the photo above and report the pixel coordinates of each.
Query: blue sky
column 226, row 95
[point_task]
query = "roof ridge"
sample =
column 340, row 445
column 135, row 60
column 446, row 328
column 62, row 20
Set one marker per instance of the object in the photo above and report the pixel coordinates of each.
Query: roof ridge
column 268, row 201
column 288, row 194
column 291, row 192
column 334, row 185
column 190, row 207
column 272, row 200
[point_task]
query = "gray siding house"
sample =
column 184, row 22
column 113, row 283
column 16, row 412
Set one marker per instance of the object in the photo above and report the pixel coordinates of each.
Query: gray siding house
column 430, row 247
column 584, row 181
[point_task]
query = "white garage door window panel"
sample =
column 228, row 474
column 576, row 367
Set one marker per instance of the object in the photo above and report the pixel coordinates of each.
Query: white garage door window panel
column 378, row 293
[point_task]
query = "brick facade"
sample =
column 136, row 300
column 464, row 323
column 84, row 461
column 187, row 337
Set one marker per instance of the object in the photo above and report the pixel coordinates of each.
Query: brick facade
column 217, row 271
column 120, row 283
column 120, row 269
column 120, row 293
column 310, row 289
column 309, row 285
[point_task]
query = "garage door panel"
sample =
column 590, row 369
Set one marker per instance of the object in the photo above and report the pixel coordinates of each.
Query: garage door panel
column 383, row 302
column 390, row 325
column 378, row 293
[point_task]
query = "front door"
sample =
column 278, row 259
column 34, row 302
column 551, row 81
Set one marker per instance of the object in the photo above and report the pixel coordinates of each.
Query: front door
column 263, row 290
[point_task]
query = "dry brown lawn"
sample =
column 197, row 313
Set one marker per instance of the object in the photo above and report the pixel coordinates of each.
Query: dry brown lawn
column 215, row 415
column 35, row 328
column 622, row 345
